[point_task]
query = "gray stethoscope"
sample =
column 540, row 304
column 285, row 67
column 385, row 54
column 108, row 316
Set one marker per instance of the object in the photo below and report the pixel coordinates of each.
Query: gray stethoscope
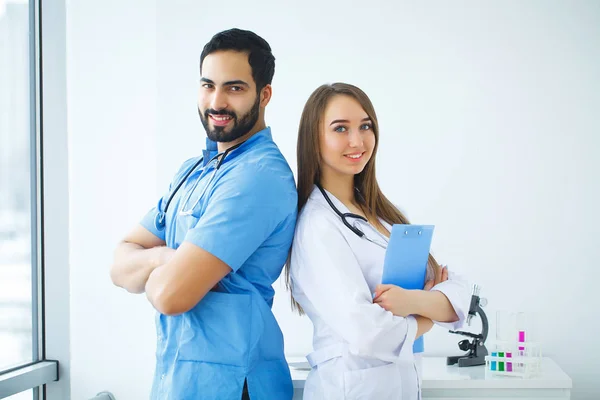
column 160, row 220
column 355, row 229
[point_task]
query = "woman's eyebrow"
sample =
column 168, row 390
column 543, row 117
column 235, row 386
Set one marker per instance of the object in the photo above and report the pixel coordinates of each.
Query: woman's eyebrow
column 335, row 121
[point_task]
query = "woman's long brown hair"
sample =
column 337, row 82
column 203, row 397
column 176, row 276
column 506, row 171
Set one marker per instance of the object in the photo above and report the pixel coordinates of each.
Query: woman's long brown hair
column 373, row 201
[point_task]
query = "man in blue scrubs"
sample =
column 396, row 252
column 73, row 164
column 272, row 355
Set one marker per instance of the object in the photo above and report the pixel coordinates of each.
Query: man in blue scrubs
column 208, row 253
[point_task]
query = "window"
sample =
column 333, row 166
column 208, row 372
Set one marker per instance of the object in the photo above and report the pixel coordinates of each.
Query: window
column 17, row 185
column 26, row 395
column 22, row 365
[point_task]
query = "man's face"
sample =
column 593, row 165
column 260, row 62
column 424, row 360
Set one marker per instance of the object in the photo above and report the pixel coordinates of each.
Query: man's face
column 228, row 104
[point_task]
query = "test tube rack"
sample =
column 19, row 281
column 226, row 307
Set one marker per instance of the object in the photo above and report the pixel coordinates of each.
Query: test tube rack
column 518, row 358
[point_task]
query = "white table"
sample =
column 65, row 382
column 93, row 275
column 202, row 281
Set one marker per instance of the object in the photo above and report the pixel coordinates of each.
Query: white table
column 442, row 382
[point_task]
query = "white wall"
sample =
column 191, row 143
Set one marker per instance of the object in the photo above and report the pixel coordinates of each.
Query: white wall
column 111, row 70
column 487, row 131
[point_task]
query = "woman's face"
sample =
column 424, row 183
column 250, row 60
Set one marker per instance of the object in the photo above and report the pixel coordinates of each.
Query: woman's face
column 346, row 138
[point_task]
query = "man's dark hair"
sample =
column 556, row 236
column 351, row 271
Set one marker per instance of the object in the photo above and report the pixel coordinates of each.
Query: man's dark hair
column 260, row 57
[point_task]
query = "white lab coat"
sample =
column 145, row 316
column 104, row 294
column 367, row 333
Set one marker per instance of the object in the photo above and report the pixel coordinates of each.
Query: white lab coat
column 361, row 351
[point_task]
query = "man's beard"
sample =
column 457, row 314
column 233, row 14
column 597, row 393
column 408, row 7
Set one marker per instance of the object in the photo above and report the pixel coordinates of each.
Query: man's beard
column 240, row 126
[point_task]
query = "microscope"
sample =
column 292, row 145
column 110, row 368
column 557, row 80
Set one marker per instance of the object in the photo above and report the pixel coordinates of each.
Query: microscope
column 476, row 350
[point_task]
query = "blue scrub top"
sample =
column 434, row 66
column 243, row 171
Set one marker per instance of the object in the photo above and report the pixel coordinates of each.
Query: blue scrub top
column 244, row 215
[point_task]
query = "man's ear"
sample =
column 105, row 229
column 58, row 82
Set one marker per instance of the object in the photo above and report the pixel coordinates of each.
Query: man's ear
column 265, row 95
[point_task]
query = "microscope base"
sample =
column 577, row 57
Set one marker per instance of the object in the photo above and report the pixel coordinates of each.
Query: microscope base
column 466, row 361
column 475, row 356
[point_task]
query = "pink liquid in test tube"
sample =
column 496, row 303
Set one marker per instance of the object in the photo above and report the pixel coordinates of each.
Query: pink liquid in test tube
column 521, row 346
column 521, row 340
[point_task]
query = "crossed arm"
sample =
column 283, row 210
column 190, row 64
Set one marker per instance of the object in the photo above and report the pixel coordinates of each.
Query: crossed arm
column 432, row 304
column 174, row 280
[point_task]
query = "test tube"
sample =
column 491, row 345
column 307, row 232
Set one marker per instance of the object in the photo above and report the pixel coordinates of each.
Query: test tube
column 522, row 327
column 522, row 343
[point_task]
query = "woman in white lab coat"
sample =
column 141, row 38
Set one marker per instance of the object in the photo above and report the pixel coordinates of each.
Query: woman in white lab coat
column 363, row 331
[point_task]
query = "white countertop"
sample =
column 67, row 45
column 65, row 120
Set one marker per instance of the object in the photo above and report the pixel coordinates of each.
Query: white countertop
column 438, row 375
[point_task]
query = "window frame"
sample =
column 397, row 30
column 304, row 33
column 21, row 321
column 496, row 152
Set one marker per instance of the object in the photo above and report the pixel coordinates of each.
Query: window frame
column 49, row 191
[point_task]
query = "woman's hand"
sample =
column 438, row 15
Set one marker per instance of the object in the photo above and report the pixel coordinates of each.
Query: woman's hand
column 443, row 278
column 401, row 302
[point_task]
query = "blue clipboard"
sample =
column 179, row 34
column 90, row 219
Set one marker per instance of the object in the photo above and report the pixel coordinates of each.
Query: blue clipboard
column 405, row 263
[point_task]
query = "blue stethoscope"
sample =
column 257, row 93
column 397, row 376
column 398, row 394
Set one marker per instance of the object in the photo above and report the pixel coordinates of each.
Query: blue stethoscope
column 355, row 229
column 160, row 219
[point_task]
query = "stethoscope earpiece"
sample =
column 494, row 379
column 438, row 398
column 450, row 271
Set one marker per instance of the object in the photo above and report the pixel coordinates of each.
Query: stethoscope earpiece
column 353, row 228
